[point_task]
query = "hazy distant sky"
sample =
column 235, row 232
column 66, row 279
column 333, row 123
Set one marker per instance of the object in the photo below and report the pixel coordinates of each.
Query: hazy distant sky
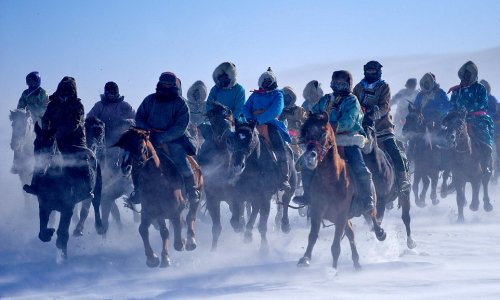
column 132, row 42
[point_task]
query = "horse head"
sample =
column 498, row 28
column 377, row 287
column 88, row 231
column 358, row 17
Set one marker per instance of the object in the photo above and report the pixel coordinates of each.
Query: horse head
column 221, row 122
column 94, row 132
column 455, row 132
column 22, row 126
column 241, row 145
column 414, row 122
column 137, row 148
column 319, row 138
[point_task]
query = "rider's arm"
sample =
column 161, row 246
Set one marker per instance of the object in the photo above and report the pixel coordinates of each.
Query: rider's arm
column 274, row 110
column 181, row 116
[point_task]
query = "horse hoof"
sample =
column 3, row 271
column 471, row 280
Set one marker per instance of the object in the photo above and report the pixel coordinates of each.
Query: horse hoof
column 381, row 235
column 152, row 261
column 235, row 223
column 357, row 266
column 78, row 232
column 435, row 201
column 420, row 203
column 179, row 246
column 46, row 235
column 304, row 262
column 461, row 220
column 474, row 206
column 389, row 206
column 248, row 237
column 165, row 261
column 487, row 206
column 285, row 226
column 410, row 243
column 191, row 244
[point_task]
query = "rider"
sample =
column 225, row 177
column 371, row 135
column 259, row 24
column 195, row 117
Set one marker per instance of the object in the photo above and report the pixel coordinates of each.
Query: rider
column 226, row 90
column 35, row 100
column 265, row 105
column 432, row 100
column 293, row 115
column 166, row 115
column 196, row 96
column 472, row 96
column 64, row 118
column 401, row 100
column 492, row 111
column 312, row 93
column 373, row 94
column 117, row 115
column 345, row 116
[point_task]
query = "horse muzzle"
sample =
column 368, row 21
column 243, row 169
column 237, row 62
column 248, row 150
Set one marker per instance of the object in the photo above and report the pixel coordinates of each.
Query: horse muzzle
column 311, row 159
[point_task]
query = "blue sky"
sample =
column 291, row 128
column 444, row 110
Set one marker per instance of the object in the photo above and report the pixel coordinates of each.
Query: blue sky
column 132, row 42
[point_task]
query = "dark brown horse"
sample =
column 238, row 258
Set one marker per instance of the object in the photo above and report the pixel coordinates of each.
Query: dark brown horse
column 160, row 191
column 332, row 190
column 465, row 158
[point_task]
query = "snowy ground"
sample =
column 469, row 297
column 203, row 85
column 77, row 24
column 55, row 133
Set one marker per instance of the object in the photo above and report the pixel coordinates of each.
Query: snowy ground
column 450, row 262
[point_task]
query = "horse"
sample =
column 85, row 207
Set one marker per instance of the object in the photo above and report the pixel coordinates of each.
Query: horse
column 21, row 142
column 160, row 190
column 426, row 155
column 53, row 191
column 464, row 155
column 384, row 179
column 114, row 185
column 332, row 189
column 254, row 175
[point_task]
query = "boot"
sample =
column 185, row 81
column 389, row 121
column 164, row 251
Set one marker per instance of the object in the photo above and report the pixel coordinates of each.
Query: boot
column 283, row 169
column 403, row 182
column 305, row 199
column 192, row 191
column 366, row 192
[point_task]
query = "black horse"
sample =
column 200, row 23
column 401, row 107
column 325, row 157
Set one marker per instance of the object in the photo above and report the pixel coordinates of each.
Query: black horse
column 254, row 174
column 465, row 162
column 386, row 188
column 21, row 143
column 54, row 192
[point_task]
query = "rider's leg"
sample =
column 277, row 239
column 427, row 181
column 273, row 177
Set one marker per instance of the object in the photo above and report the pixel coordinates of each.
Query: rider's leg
column 280, row 150
column 399, row 164
column 362, row 174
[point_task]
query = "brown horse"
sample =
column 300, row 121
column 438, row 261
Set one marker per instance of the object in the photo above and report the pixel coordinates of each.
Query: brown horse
column 332, row 190
column 160, row 191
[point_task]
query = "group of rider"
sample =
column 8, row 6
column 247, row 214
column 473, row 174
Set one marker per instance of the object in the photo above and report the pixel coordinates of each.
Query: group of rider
column 172, row 120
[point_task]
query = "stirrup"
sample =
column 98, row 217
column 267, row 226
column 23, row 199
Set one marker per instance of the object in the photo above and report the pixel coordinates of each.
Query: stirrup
column 301, row 200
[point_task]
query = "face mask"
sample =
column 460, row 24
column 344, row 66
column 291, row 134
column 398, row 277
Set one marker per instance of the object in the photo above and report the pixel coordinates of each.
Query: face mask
column 224, row 80
column 267, row 84
column 288, row 100
column 110, row 95
column 339, row 86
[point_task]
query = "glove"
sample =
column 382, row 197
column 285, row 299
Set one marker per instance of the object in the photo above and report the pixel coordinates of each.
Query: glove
column 375, row 114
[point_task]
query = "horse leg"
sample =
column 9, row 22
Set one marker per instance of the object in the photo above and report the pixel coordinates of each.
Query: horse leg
column 279, row 212
column 213, row 207
column 379, row 231
column 251, row 221
column 426, row 181
column 316, row 218
column 339, row 231
column 237, row 210
column 486, row 196
column 434, row 181
column 404, row 200
column 165, row 255
column 191, row 221
column 354, row 251
column 115, row 212
column 285, row 221
column 416, row 181
column 381, row 204
column 45, row 234
column 63, row 232
column 84, row 213
column 265, row 209
column 474, row 205
column 176, row 222
column 460, row 188
column 152, row 259
column 105, row 212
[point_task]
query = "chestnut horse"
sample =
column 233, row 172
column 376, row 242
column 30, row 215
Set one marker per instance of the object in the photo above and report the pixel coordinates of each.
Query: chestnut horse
column 160, row 191
column 332, row 190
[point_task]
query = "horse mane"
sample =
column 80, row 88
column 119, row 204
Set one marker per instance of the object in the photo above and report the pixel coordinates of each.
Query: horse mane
column 218, row 108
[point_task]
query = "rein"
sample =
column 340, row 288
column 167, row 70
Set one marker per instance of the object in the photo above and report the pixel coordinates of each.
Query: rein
column 322, row 150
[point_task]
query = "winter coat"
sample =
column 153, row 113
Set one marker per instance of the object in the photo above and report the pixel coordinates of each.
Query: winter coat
column 344, row 113
column 434, row 104
column 196, row 96
column 266, row 107
column 167, row 120
column 474, row 100
column 378, row 95
column 116, row 115
column 492, row 107
column 35, row 102
column 312, row 93
column 295, row 116
column 232, row 96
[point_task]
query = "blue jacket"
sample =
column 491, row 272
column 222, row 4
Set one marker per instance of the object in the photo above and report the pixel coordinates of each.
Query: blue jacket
column 344, row 111
column 234, row 98
column 492, row 107
column 435, row 101
column 474, row 98
column 266, row 107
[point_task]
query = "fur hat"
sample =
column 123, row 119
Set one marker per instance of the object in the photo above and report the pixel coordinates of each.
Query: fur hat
column 313, row 92
column 486, row 85
column 472, row 68
column 289, row 91
column 267, row 75
column 227, row 68
column 202, row 92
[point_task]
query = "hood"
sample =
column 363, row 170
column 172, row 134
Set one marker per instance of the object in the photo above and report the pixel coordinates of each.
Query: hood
column 289, row 91
column 472, row 68
column 269, row 74
column 486, row 85
column 313, row 92
column 428, row 80
column 197, row 92
column 228, row 68
column 66, row 85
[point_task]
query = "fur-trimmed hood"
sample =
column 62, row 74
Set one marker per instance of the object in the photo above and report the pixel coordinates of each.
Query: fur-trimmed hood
column 197, row 92
column 472, row 68
column 228, row 68
column 287, row 90
column 313, row 92
column 430, row 80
